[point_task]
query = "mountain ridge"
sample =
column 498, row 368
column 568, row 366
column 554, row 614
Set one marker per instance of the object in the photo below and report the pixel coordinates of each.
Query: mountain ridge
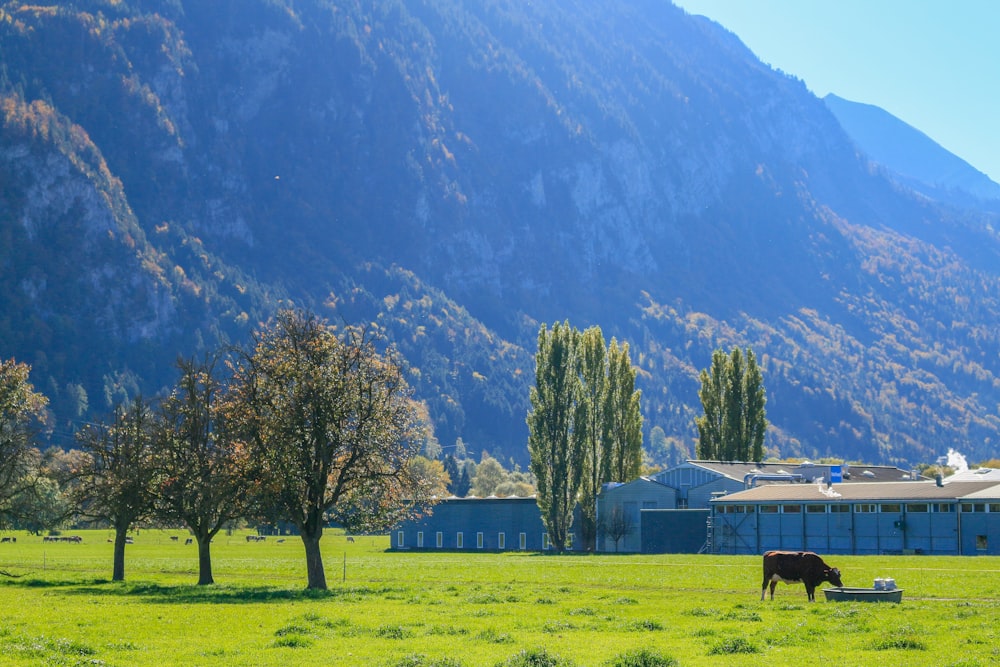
column 920, row 162
column 459, row 175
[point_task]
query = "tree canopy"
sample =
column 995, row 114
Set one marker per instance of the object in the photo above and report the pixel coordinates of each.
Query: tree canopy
column 330, row 430
column 732, row 395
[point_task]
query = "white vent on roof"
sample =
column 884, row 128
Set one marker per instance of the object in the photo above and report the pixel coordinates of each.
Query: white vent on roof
column 868, row 473
column 983, row 471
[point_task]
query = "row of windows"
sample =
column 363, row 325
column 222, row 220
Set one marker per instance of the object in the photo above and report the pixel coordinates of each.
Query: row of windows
column 460, row 540
column 859, row 508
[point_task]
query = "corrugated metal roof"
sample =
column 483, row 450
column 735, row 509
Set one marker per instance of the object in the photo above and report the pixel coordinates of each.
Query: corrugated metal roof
column 903, row 491
column 852, row 472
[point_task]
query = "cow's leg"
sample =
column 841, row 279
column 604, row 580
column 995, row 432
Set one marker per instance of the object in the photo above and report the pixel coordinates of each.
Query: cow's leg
column 811, row 592
column 774, row 584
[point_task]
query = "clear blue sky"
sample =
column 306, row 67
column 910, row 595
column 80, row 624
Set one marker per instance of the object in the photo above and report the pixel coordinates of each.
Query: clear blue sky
column 931, row 63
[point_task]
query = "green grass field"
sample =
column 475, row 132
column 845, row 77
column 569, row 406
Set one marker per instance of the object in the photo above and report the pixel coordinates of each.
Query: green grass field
column 449, row 609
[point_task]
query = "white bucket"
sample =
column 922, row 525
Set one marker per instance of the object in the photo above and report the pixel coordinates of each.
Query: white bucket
column 879, row 584
column 890, row 584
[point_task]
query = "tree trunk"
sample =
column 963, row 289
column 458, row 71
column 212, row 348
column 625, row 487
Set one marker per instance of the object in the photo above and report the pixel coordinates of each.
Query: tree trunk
column 588, row 533
column 314, row 561
column 121, row 533
column 205, row 560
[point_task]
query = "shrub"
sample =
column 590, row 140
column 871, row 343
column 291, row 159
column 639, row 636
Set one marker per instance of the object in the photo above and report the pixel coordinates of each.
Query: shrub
column 494, row 637
column 293, row 641
column 644, row 625
column 734, row 645
column 642, row 657
column 538, row 657
column 420, row 660
column 392, row 632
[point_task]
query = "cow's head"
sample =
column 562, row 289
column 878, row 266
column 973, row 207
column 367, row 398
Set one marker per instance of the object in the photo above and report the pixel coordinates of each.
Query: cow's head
column 833, row 576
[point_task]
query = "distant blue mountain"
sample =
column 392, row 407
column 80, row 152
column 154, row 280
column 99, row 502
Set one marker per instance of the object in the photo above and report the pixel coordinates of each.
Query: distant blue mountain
column 919, row 161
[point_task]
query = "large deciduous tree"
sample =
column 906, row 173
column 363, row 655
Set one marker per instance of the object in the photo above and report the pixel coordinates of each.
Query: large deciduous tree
column 21, row 408
column 556, row 451
column 330, row 430
column 118, row 482
column 200, row 466
column 732, row 396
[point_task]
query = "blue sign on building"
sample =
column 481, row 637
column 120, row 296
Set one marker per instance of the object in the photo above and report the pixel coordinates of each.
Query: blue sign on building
column 836, row 476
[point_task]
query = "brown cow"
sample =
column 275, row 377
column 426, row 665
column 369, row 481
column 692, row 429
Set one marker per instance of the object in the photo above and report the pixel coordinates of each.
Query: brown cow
column 795, row 566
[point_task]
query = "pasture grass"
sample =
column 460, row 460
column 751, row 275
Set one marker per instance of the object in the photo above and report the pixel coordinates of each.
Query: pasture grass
column 391, row 609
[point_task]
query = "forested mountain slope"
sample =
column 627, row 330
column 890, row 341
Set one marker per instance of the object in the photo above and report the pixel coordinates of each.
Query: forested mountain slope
column 459, row 173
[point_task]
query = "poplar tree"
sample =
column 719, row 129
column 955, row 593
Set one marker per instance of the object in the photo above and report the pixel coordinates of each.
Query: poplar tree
column 623, row 418
column 590, row 428
column 556, row 452
column 732, row 396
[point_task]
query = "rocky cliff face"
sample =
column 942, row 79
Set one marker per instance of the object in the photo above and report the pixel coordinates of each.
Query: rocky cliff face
column 459, row 174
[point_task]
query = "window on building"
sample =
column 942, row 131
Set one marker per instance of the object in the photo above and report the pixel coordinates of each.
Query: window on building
column 891, row 508
column 459, row 540
column 815, row 509
column 865, row 508
column 791, row 509
column 420, row 539
column 439, row 539
column 840, row 508
column 973, row 507
column 944, row 507
column 522, row 541
column 479, row 540
column 682, row 503
column 981, row 543
column 501, row 541
column 994, row 507
column 399, row 540
column 917, row 507
column 768, row 509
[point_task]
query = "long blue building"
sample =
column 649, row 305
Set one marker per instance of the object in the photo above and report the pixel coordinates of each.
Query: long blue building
column 917, row 517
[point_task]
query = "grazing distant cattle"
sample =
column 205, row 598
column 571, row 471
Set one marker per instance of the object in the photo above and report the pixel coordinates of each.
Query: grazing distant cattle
column 795, row 566
column 350, row 539
column 188, row 541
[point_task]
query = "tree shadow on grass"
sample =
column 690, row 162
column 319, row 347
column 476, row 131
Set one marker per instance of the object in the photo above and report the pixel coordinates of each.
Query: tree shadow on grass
column 224, row 594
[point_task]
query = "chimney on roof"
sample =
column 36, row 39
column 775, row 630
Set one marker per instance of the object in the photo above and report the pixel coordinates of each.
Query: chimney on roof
column 938, row 479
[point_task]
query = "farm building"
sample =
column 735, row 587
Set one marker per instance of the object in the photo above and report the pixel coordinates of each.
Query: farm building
column 697, row 482
column 483, row 524
column 920, row 517
column 641, row 517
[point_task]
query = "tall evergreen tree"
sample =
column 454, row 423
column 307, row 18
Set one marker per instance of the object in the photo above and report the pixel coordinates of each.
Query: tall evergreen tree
column 556, row 456
column 464, row 482
column 451, row 467
column 732, row 396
